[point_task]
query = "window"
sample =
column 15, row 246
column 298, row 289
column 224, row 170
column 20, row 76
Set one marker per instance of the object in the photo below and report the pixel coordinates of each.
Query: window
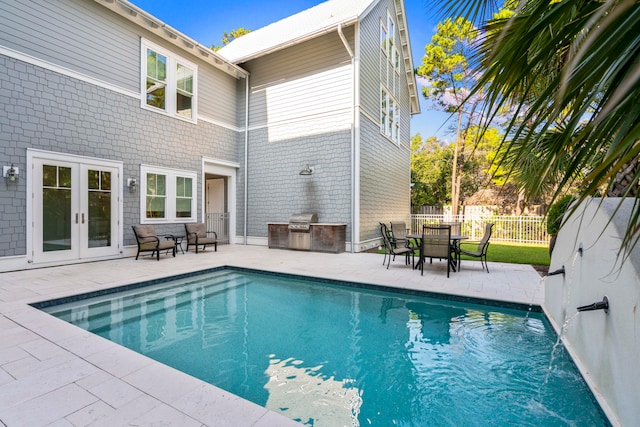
column 389, row 77
column 169, row 82
column 383, row 38
column 391, row 38
column 184, row 197
column 156, row 196
column 389, row 116
column 167, row 195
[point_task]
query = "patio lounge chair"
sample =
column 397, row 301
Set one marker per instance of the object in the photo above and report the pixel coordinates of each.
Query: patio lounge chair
column 149, row 241
column 481, row 250
column 436, row 243
column 197, row 235
column 391, row 249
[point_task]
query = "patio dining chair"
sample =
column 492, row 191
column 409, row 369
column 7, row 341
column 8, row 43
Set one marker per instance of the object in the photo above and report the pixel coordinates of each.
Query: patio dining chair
column 391, row 249
column 456, row 227
column 399, row 234
column 149, row 241
column 436, row 243
column 481, row 249
column 197, row 235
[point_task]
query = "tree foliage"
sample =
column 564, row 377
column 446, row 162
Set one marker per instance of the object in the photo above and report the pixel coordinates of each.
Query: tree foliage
column 228, row 37
column 569, row 70
column 446, row 65
column 430, row 172
column 431, row 167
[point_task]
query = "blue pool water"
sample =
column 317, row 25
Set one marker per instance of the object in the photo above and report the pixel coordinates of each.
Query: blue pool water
column 329, row 355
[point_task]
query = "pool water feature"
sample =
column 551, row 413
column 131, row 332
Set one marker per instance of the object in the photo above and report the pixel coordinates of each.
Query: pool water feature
column 330, row 355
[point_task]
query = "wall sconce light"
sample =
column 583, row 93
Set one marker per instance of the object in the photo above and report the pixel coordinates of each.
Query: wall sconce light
column 308, row 170
column 132, row 183
column 11, row 173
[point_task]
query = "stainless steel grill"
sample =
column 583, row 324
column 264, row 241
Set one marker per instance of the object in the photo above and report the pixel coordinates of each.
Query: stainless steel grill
column 299, row 230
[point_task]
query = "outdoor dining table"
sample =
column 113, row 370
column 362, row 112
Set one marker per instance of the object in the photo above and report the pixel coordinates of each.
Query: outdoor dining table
column 455, row 243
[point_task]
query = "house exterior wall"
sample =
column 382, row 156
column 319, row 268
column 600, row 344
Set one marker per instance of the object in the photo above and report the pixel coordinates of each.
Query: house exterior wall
column 300, row 112
column 70, row 84
column 385, row 172
column 76, row 110
column 77, row 35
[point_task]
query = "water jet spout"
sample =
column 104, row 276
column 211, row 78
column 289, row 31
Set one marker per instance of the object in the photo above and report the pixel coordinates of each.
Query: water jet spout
column 558, row 271
column 600, row 305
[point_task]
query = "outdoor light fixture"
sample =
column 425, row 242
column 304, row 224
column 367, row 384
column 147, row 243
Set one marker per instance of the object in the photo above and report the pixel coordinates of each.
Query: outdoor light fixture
column 10, row 173
column 308, row 170
column 132, row 183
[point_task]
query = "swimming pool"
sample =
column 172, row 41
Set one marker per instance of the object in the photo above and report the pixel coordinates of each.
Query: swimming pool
column 327, row 354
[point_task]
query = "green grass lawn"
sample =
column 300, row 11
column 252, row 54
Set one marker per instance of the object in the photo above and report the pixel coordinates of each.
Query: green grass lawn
column 515, row 254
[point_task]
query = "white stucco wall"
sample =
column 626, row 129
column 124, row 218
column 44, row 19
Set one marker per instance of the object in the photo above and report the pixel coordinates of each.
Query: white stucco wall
column 606, row 347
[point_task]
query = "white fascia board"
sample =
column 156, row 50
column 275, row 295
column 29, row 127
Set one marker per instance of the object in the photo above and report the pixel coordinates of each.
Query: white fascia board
column 185, row 43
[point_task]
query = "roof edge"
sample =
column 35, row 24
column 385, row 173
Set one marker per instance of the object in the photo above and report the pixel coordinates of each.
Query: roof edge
column 295, row 41
column 403, row 29
column 145, row 20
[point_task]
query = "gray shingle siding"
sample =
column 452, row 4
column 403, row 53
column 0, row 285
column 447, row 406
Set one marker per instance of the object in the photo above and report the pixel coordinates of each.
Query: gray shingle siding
column 75, row 117
column 384, row 181
column 277, row 190
column 70, row 84
column 278, row 152
column 385, row 173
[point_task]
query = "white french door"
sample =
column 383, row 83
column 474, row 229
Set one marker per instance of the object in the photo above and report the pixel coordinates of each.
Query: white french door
column 75, row 209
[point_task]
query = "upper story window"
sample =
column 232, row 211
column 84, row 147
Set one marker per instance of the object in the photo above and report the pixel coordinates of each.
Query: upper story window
column 389, row 77
column 389, row 116
column 167, row 195
column 391, row 37
column 169, row 82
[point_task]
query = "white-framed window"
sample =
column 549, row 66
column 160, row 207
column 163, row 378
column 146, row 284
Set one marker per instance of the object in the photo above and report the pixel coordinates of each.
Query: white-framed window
column 389, row 116
column 167, row 195
column 391, row 37
column 168, row 82
column 389, row 77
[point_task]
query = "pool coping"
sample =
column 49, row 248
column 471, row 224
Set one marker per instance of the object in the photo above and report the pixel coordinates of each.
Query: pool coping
column 99, row 363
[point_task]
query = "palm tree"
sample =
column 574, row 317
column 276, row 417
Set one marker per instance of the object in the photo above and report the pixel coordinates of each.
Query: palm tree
column 569, row 70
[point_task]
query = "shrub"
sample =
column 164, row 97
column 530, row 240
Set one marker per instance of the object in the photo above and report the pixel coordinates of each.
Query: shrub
column 556, row 213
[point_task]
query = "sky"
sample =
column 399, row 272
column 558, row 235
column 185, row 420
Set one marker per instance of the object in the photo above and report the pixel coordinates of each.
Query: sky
column 206, row 20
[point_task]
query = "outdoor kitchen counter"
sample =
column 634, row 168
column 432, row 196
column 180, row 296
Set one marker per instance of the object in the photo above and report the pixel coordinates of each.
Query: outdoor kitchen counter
column 324, row 236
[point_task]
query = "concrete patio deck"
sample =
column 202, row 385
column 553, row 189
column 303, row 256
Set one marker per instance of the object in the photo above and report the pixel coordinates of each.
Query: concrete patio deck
column 53, row 373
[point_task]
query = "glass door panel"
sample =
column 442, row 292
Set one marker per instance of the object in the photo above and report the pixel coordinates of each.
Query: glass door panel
column 55, row 211
column 56, row 208
column 99, row 211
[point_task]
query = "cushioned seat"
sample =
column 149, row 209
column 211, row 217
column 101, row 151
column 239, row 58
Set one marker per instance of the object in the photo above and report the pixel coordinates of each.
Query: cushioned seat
column 197, row 235
column 149, row 241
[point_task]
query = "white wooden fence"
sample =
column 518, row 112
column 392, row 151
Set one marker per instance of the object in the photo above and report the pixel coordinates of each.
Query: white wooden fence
column 507, row 228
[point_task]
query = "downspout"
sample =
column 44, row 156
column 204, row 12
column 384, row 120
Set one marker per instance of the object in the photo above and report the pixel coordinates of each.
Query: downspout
column 246, row 157
column 355, row 163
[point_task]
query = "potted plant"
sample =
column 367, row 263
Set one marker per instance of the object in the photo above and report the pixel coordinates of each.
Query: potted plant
column 554, row 218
